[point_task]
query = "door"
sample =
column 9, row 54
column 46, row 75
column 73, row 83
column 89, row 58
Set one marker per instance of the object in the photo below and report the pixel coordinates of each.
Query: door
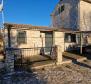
column 48, row 42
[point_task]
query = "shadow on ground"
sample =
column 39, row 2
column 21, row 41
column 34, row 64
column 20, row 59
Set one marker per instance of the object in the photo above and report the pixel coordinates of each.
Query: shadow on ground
column 21, row 77
column 77, row 52
column 81, row 64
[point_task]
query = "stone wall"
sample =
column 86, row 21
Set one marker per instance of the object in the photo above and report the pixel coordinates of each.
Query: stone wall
column 85, row 16
column 76, row 14
column 9, row 60
column 67, row 18
column 34, row 39
column 89, row 39
column 58, row 39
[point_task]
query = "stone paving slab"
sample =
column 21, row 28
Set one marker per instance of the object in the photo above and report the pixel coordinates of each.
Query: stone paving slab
column 74, row 56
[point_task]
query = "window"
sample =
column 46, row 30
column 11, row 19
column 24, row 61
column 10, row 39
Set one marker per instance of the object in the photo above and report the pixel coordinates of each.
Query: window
column 59, row 10
column 61, row 0
column 73, row 38
column 70, row 37
column 67, row 37
column 21, row 37
column 62, row 8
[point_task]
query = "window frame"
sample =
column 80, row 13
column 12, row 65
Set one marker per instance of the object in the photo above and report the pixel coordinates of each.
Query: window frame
column 62, row 8
column 72, row 38
column 21, row 39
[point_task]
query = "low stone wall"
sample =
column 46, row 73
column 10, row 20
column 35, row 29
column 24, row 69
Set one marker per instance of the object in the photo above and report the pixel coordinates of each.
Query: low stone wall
column 56, row 54
column 9, row 60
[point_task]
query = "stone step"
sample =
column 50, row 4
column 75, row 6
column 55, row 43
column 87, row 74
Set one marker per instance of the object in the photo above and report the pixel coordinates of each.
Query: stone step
column 75, row 57
column 81, row 59
column 67, row 62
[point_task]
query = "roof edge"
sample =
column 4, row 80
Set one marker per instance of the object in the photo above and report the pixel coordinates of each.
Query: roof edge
column 89, row 1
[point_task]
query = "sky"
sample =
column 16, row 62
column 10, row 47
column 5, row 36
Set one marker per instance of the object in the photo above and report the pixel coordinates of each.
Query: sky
column 35, row 12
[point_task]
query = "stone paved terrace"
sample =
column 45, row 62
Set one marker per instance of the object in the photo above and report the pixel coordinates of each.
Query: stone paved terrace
column 75, row 73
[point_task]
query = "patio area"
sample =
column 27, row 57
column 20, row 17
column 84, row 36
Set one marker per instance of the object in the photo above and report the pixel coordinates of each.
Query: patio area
column 39, row 61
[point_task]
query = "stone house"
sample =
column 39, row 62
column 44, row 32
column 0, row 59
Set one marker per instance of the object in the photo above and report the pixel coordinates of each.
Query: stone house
column 25, row 42
column 34, row 38
column 74, row 14
column 28, row 36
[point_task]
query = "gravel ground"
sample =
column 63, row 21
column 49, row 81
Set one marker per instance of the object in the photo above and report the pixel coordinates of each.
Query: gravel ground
column 75, row 73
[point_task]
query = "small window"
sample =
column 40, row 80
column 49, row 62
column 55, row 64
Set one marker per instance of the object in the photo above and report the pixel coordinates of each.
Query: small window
column 62, row 8
column 67, row 37
column 21, row 37
column 61, row 0
column 70, row 37
column 59, row 10
column 73, row 38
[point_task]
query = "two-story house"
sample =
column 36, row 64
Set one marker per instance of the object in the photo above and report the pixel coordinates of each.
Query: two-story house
column 75, row 14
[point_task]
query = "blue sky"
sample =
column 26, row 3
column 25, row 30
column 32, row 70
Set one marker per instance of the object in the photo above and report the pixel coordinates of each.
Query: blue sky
column 35, row 12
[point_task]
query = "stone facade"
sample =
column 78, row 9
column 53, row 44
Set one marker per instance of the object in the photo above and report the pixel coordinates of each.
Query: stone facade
column 59, row 39
column 76, row 14
column 34, row 39
column 89, row 39
column 9, row 60
column 85, row 16
column 31, row 36
column 68, row 17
